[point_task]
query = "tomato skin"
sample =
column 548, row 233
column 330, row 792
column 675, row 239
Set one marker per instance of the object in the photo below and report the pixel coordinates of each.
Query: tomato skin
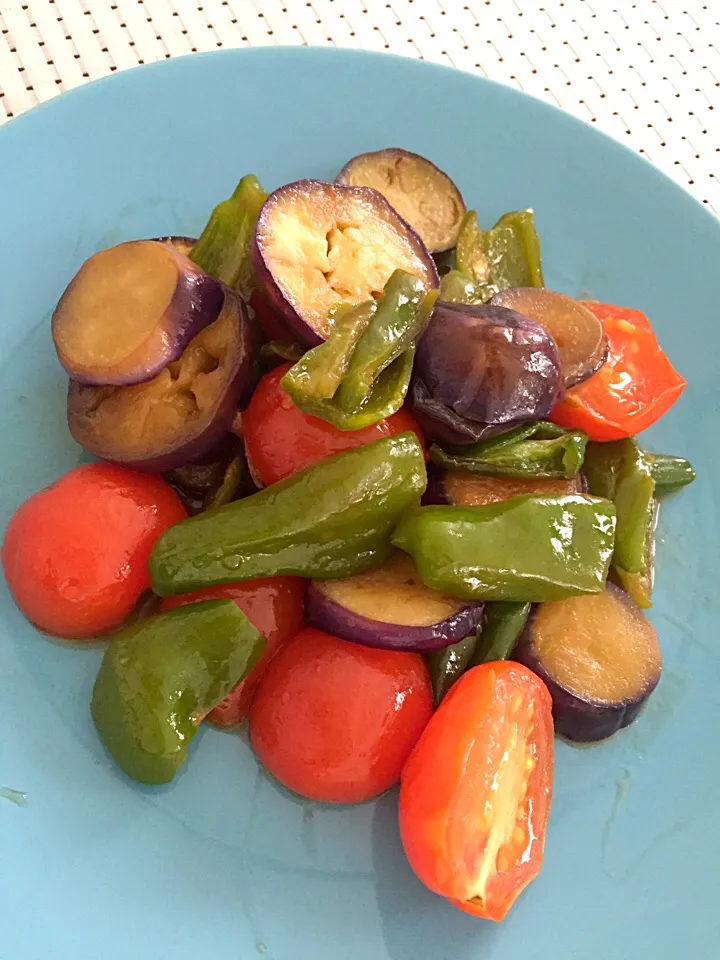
column 274, row 606
column 280, row 439
column 335, row 721
column 634, row 388
column 452, row 790
column 75, row 554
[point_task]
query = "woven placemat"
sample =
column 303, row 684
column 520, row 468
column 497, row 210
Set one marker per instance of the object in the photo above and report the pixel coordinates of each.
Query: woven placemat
column 647, row 72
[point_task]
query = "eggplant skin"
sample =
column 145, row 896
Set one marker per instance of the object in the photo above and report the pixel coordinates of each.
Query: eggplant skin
column 301, row 281
column 325, row 614
column 203, row 429
column 583, row 719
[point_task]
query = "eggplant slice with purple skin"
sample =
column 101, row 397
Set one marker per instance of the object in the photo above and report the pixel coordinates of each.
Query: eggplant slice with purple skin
column 180, row 414
column 599, row 657
column 131, row 310
column 459, row 489
column 420, row 192
column 489, row 365
column 318, row 245
column 576, row 330
column 390, row 607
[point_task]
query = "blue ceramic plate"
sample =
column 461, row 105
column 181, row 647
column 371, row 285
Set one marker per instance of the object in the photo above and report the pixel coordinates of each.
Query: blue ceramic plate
column 223, row 864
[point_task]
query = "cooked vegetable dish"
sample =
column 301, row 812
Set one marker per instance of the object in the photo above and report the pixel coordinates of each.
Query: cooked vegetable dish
column 366, row 485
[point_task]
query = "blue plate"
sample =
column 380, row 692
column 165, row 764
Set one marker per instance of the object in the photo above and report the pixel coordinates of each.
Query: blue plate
column 223, row 864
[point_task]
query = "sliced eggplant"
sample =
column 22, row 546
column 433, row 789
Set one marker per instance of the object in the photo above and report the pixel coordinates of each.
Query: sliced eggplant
column 420, row 192
column 319, row 244
column 183, row 245
column 131, row 310
column 489, row 364
column 599, row 657
column 390, row 607
column 180, row 414
column 576, row 330
column 461, row 489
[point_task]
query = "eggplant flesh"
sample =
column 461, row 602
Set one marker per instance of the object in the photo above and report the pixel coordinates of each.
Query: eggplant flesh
column 421, row 193
column 318, row 245
column 179, row 415
column 462, row 489
column 390, row 607
column 599, row 657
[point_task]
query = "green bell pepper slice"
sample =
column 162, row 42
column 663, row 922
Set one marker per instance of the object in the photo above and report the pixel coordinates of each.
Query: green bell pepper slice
column 620, row 471
column 223, row 248
column 318, row 374
column 669, row 473
column 333, row 519
column 159, row 679
column 640, row 585
column 447, row 665
column 402, row 314
column 503, row 623
column 528, row 548
column 506, row 255
column 361, row 374
column 533, row 450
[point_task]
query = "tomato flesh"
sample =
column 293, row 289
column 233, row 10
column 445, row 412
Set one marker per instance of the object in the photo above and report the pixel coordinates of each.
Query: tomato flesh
column 280, row 439
column 335, row 721
column 75, row 554
column 475, row 793
column 274, row 605
column 635, row 386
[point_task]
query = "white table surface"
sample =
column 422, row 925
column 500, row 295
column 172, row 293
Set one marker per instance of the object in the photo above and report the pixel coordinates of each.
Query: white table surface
column 647, row 72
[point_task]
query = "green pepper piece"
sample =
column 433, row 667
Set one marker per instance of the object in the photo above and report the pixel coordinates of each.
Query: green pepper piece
column 640, row 585
column 387, row 396
column 318, row 374
column 620, row 471
column 223, row 249
column 160, row 678
column 447, row 665
column 275, row 352
column 333, row 519
column 512, row 247
column 669, row 473
column 527, row 548
column 236, row 473
column 471, row 256
column 535, row 450
column 503, row 623
column 456, row 287
column 401, row 316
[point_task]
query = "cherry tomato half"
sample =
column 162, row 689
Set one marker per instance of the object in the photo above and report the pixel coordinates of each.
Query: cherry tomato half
column 280, row 439
column 75, row 554
column 335, row 721
column 274, row 606
column 475, row 794
column 634, row 387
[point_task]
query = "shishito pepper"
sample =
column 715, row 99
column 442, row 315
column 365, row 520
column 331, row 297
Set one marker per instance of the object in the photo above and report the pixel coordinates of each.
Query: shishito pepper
column 361, row 374
column 669, row 473
column 447, row 665
column 333, row 519
column 527, row 548
column 160, row 678
column 486, row 262
column 223, row 249
column 502, row 625
column 532, row 450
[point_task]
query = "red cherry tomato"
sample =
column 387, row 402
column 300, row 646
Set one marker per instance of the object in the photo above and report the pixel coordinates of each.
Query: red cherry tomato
column 335, row 721
column 75, row 554
column 475, row 794
column 280, row 439
column 274, row 606
column 634, row 387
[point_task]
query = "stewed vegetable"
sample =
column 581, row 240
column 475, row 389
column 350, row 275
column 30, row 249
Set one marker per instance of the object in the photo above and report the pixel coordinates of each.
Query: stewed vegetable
column 430, row 500
column 599, row 657
column 420, row 192
column 130, row 311
column 319, row 245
